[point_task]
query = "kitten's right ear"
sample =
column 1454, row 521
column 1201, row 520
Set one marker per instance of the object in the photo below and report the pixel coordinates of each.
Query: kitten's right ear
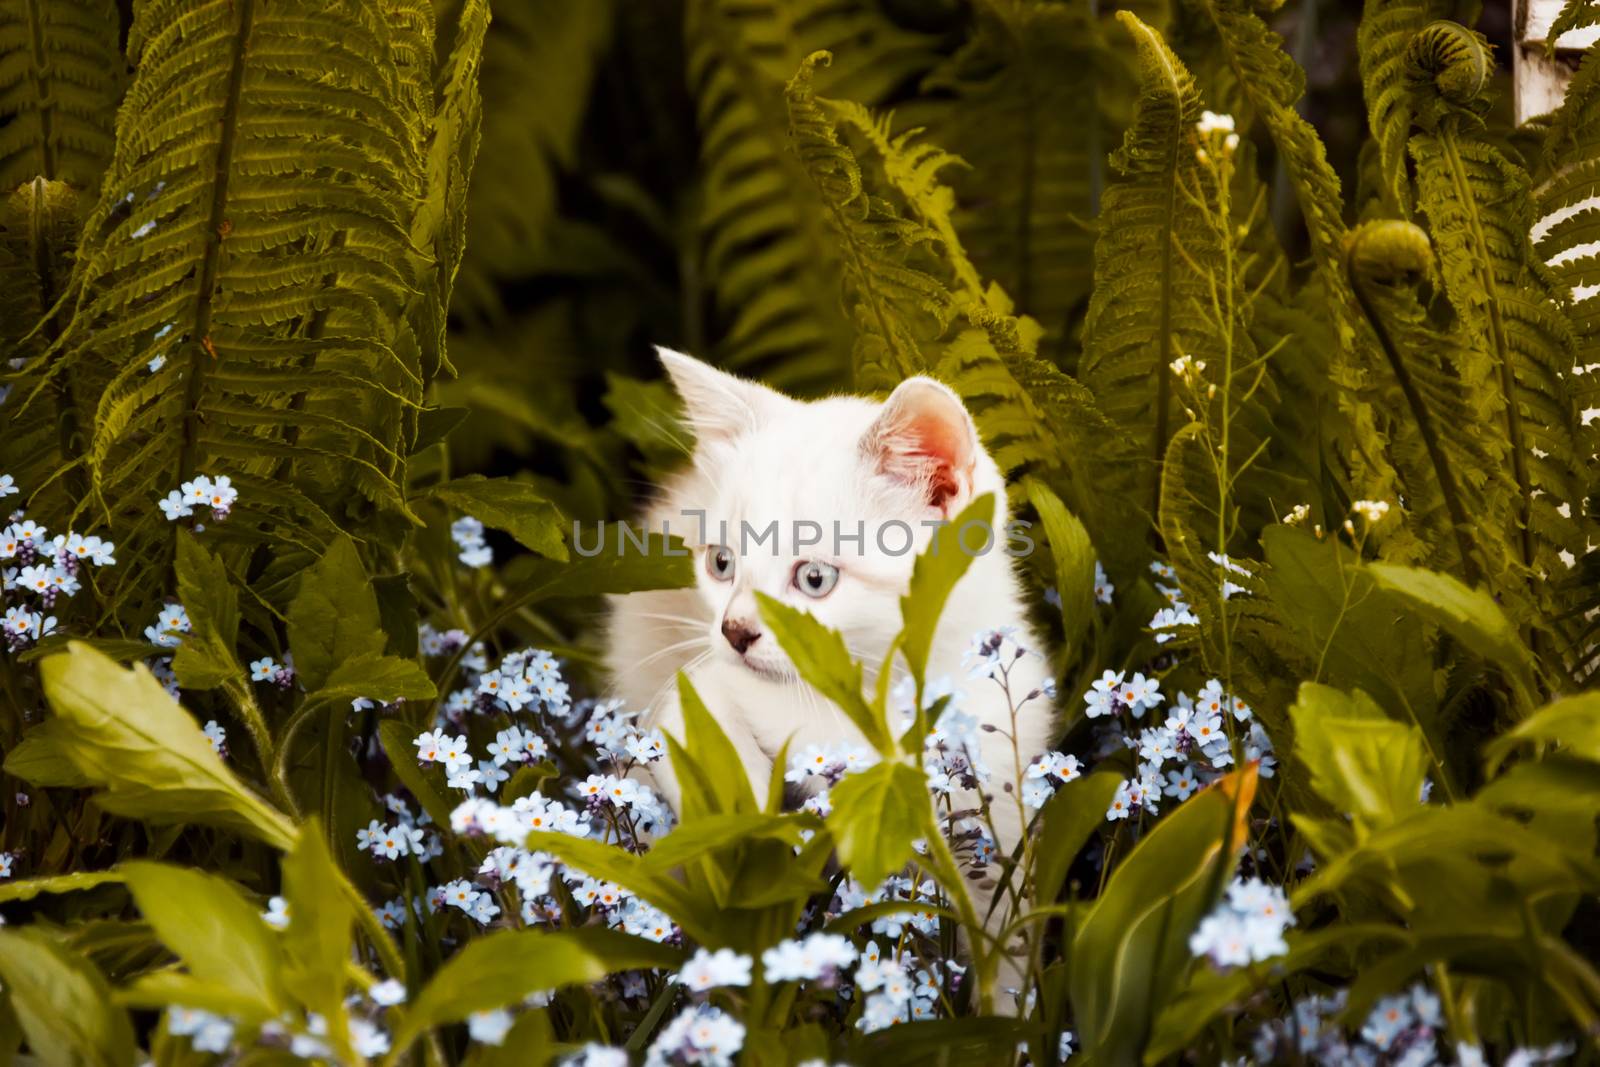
column 717, row 405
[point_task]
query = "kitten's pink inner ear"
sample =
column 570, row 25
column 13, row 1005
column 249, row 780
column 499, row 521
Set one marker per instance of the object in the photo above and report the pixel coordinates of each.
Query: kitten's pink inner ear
column 924, row 437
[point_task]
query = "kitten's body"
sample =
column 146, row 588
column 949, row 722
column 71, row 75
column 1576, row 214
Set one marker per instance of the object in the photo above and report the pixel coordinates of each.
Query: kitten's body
column 760, row 457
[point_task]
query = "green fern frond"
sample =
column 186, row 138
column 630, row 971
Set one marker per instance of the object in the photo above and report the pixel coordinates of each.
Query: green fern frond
column 1574, row 15
column 1567, row 233
column 40, row 447
column 1456, row 491
column 1024, row 112
column 1383, row 42
column 1479, row 207
column 61, row 75
column 271, row 211
column 915, row 169
column 1271, row 83
column 896, row 305
column 765, row 248
column 1145, row 310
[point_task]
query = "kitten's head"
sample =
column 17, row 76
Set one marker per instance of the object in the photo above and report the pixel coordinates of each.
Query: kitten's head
column 786, row 486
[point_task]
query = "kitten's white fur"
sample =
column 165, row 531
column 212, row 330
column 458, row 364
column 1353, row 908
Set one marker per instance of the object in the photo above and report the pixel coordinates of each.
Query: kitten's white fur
column 762, row 456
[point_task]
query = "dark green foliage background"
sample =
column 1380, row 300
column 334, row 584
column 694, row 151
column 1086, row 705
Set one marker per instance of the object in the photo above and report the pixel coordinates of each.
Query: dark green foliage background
column 387, row 263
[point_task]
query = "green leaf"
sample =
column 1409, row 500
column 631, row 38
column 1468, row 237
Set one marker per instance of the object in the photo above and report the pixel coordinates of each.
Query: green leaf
column 28, row 888
column 507, row 966
column 1074, row 561
column 1357, row 636
column 1363, row 764
column 1572, row 724
column 334, row 615
column 206, row 658
column 1132, row 946
column 635, row 874
column 40, row 758
column 218, row 934
column 709, row 749
column 124, row 734
column 316, row 943
column 1067, row 820
column 160, row 989
column 1469, row 615
column 434, row 426
column 934, row 575
column 515, row 507
column 63, row 1004
column 376, row 677
column 708, row 833
column 822, row 659
column 876, row 815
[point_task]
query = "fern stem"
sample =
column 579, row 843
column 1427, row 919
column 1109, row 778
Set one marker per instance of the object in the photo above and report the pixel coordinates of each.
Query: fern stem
column 41, row 87
column 1425, row 427
column 211, row 260
column 1164, row 356
column 67, row 432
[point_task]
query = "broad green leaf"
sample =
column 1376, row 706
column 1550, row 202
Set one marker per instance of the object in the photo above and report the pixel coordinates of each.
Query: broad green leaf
column 218, row 934
column 1132, row 946
column 376, row 677
column 1470, row 615
column 63, row 1004
column 434, row 426
column 1074, row 560
column 708, row 833
column 1572, row 724
column 1450, row 867
column 822, row 659
column 935, row 574
column 206, row 658
column 507, row 966
column 709, row 748
column 637, row 875
column 164, row 988
column 876, row 815
column 515, row 507
column 1363, row 765
column 1067, row 820
column 129, row 738
column 334, row 615
column 40, row 758
column 316, row 943
column 28, row 888
column 975, row 1041
column 1358, row 637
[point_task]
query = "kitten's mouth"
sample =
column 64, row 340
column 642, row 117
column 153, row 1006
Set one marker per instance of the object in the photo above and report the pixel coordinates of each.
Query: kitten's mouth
column 763, row 670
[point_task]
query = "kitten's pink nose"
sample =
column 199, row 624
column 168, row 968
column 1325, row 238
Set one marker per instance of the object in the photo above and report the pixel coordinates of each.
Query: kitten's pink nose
column 741, row 635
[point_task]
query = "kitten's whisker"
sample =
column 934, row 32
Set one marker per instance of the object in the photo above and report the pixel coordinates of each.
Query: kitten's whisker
column 658, row 653
column 664, row 617
column 649, row 710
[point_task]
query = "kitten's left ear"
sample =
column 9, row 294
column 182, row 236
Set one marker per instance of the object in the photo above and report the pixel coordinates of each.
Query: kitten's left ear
column 924, row 437
column 719, row 406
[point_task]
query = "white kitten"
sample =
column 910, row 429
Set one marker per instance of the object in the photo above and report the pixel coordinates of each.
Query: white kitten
column 840, row 463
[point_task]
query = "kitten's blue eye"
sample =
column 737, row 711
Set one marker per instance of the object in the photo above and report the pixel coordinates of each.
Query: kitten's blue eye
column 719, row 563
column 815, row 578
